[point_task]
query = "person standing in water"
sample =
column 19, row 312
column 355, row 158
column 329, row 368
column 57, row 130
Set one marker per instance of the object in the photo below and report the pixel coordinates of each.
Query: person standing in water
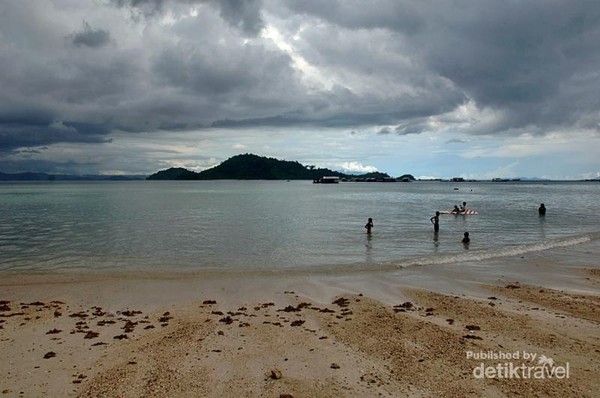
column 435, row 220
column 542, row 210
column 369, row 225
column 466, row 240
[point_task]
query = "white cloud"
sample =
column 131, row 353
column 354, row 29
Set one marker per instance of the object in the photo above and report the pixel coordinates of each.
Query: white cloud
column 59, row 125
column 357, row 167
column 312, row 76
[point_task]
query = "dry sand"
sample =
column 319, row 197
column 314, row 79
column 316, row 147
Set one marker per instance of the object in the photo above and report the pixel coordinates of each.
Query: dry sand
column 94, row 337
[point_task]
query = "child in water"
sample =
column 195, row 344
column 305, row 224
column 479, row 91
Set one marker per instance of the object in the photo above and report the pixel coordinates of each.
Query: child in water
column 435, row 220
column 369, row 225
column 466, row 239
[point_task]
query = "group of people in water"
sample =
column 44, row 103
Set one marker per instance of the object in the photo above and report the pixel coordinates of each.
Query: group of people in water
column 435, row 220
column 459, row 210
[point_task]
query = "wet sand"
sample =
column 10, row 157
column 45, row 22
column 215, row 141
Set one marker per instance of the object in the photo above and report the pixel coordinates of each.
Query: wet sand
column 406, row 333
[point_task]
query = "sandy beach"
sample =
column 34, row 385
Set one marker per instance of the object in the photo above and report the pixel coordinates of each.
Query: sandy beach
column 451, row 331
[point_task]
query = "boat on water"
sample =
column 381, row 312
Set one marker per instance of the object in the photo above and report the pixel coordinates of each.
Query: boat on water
column 466, row 212
column 327, row 180
column 505, row 179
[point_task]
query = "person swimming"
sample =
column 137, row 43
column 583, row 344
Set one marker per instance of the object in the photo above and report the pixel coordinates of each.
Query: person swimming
column 466, row 240
column 369, row 225
column 435, row 220
column 463, row 207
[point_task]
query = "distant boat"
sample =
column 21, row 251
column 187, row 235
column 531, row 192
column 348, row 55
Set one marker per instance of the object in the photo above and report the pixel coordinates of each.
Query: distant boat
column 466, row 212
column 327, row 180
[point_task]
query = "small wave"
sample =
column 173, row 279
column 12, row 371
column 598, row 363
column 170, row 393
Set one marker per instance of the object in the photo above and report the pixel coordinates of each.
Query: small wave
column 506, row 251
column 466, row 256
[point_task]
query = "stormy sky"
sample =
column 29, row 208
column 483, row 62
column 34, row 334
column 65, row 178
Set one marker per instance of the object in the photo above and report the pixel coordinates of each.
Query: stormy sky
column 477, row 89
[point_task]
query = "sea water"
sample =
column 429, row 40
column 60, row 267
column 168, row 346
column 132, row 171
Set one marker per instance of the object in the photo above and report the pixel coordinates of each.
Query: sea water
column 281, row 226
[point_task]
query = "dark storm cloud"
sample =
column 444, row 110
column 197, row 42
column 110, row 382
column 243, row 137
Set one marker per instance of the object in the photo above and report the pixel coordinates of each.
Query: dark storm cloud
column 31, row 151
column 389, row 65
column 417, row 127
column 524, row 59
column 408, row 17
column 337, row 119
column 244, row 15
column 144, row 7
column 530, row 60
column 340, row 107
column 385, row 131
column 30, row 132
column 409, row 127
column 209, row 71
column 90, row 37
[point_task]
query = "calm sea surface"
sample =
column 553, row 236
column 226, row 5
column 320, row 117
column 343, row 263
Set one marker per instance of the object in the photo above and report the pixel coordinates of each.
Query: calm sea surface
column 278, row 225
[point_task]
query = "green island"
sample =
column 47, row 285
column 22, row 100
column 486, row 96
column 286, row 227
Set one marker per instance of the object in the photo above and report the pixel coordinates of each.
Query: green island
column 254, row 167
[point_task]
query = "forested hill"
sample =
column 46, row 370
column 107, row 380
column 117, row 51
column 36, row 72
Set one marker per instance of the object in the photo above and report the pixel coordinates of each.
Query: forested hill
column 253, row 167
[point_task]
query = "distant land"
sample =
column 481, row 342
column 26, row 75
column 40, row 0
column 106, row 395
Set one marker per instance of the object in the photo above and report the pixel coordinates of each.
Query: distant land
column 66, row 177
column 254, row 167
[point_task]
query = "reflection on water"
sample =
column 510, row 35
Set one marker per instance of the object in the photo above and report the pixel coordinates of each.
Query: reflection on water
column 436, row 240
column 542, row 223
column 369, row 248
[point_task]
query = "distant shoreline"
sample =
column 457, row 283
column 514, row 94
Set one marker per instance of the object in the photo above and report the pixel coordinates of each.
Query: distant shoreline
column 43, row 177
column 253, row 167
column 19, row 177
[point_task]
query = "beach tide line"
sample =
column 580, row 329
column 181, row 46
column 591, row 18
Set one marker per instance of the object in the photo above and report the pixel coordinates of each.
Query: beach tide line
column 506, row 251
